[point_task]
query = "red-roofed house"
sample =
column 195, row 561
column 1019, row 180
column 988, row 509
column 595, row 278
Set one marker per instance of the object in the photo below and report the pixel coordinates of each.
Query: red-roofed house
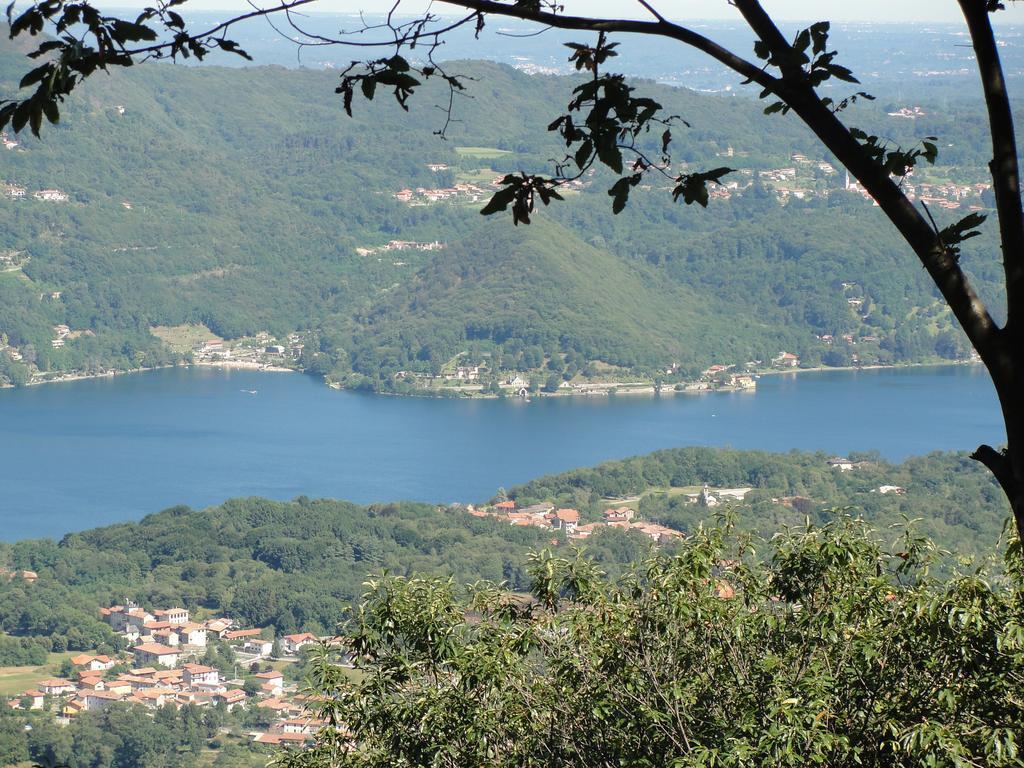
column 154, row 653
column 272, row 682
column 241, row 634
column 583, row 531
column 219, row 626
column 94, row 700
column 230, row 699
column 56, row 687
column 195, row 674
column 564, row 518
column 616, row 515
column 38, row 699
column 292, row 643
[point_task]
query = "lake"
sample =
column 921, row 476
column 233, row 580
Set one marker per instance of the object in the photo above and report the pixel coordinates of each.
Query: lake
column 80, row 454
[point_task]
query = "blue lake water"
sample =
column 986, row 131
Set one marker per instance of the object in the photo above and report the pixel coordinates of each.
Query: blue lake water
column 88, row 453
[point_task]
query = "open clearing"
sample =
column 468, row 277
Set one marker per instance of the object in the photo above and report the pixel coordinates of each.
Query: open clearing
column 183, row 338
column 15, row 680
column 482, row 151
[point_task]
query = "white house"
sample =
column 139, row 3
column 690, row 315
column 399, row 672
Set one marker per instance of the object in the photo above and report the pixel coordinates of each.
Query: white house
column 173, row 615
column 50, row 195
column 155, row 653
column 192, row 634
column 843, row 465
column 292, row 643
column 272, row 682
column 57, row 687
column 195, row 674
column 258, row 646
column 95, row 700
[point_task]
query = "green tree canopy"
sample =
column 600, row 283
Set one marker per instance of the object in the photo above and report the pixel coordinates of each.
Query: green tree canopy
column 820, row 646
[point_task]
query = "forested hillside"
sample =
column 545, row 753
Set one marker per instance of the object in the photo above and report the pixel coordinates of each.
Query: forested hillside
column 297, row 565
column 244, row 200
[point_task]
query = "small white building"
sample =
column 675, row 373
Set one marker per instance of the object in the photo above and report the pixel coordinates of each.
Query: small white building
column 50, row 195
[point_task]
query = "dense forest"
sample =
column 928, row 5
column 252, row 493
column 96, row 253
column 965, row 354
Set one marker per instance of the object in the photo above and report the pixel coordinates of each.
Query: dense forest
column 244, row 200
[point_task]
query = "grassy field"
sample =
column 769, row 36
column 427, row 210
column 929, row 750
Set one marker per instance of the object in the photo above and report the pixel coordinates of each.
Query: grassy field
column 15, row 680
column 182, row 338
column 655, row 492
column 480, row 176
column 481, row 152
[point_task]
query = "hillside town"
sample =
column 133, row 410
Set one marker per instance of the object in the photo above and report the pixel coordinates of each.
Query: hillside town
column 164, row 665
column 803, row 178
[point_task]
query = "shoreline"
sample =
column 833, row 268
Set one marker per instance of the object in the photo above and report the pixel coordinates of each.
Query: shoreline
column 597, row 390
column 649, row 388
column 225, row 364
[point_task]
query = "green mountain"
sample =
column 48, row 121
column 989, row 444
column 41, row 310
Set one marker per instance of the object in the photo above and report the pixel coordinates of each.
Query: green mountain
column 245, row 201
column 543, row 285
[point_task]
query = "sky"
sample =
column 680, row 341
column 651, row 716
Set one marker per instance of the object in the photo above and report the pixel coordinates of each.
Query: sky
column 834, row 10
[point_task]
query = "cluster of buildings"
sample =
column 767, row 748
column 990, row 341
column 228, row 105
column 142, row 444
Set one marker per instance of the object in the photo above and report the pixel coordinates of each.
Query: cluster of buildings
column 60, row 335
column 256, row 352
column 548, row 517
column 402, row 245
column 163, row 669
column 422, row 195
column 18, row 192
column 148, row 686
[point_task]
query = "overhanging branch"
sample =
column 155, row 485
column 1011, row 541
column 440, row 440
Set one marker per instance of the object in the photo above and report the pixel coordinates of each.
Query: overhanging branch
column 660, row 28
column 1004, row 167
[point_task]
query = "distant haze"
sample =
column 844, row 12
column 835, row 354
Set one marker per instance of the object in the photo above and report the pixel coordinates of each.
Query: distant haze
column 836, row 10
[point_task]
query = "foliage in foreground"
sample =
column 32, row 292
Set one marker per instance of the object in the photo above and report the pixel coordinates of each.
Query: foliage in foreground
column 826, row 648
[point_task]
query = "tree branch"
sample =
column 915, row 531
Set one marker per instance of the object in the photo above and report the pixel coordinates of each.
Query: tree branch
column 659, row 28
column 942, row 265
column 763, row 26
column 998, row 463
column 1004, row 167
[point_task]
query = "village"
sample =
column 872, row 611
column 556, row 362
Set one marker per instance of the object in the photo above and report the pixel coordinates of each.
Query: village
column 803, row 178
column 163, row 667
column 565, row 520
column 260, row 352
column 720, row 377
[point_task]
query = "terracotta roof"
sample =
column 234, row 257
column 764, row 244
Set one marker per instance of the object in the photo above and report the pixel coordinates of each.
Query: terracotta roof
column 236, row 634
column 297, row 638
column 108, row 695
column 156, row 649
column 568, row 515
column 272, row 675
